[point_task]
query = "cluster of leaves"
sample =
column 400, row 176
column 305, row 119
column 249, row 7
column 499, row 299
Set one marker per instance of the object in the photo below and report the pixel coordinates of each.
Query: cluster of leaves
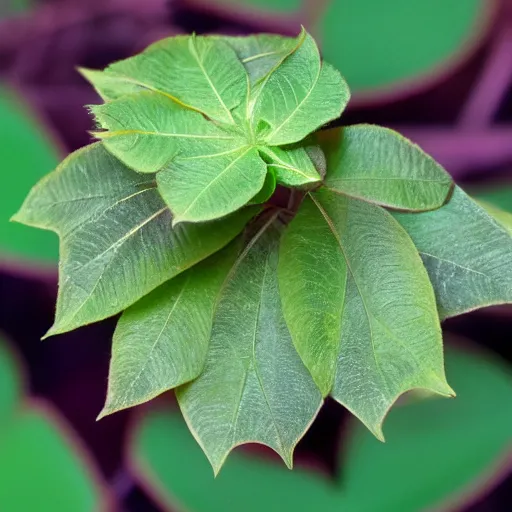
column 253, row 312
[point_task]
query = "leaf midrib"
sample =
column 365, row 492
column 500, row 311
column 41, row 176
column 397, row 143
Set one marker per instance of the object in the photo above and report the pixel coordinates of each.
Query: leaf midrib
column 193, row 51
column 157, row 340
column 349, row 268
column 205, row 189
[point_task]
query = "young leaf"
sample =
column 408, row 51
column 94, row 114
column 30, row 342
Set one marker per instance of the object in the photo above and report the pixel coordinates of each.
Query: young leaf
column 380, row 166
column 467, row 253
column 108, row 86
column 161, row 341
column 199, row 72
column 261, row 53
column 359, row 305
column 266, row 191
column 291, row 165
column 148, row 130
column 298, row 97
column 254, row 388
column 207, row 187
column 117, row 243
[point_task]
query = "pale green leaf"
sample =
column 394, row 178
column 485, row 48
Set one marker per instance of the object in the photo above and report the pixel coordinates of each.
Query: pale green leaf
column 292, row 166
column 109, row 86
column 298, row 97
column 207, row 187
column 199, row 72
column 116, row 240
column 254, row 388
column 360, row 283
column 380, row 166
column 312, row 279
column 467, row 253
column 148, row 130
column 266, row 192
column 261, row 53
column 502, row 216
column 161, row 341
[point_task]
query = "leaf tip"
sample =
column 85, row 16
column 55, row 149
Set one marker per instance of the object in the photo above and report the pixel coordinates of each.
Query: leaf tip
column 106, row 411
column 376, row 430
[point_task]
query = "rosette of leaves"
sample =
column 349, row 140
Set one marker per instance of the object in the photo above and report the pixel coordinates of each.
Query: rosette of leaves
column 254, row 312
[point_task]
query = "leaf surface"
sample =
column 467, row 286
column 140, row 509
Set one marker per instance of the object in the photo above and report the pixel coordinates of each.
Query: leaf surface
column 380, row 166
column 147, row 130
column 298, row 97
column 359, row 305
column 161, row 341
column 198, row 189
column 260, row 53
column 467, row 253
column 108, row 85
column 292, row 166
column 116, row 239
column 199, row 72
column 254, row 388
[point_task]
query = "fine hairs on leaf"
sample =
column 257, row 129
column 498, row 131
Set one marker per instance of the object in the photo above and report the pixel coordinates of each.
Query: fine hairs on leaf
column 260, row 261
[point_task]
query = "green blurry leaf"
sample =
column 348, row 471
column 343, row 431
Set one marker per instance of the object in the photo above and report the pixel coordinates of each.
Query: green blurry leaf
column 292, row 166
column 10, row 386
column 161, row 341
column 117, row 243
column 161, row 444
column 500, row 197
column 208, row 187
column 436, row 449
column 148, row 130
column 467, row 254
column 40, row 471
column 359, row 305
column 299, row 96
column 380, row 166
column 254, row 388
column 201, row 73
column 29, row 153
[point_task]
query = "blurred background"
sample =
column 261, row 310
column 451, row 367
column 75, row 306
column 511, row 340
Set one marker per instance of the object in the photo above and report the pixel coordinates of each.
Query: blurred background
column 439, row 71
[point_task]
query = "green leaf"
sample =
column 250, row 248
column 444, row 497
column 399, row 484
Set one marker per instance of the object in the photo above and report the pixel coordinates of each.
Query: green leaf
column 298, row 97
column 199, row 72
column 207, row 187
column 117, row 243
column 380, row 166
column 359, row 305
column 267, row 190
column 260, row 53
column 436, row 450
column 292, row 166
column 254, row 388
column 467, row 253
column 40, row 470
column 161, row 341
column 10, row 385
column 502, row 216
column 29, row 152
column 109, row 86
column 147, row 130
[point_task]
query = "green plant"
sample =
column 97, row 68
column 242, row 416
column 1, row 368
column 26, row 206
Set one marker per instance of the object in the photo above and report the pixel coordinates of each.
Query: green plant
column 253, row 311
